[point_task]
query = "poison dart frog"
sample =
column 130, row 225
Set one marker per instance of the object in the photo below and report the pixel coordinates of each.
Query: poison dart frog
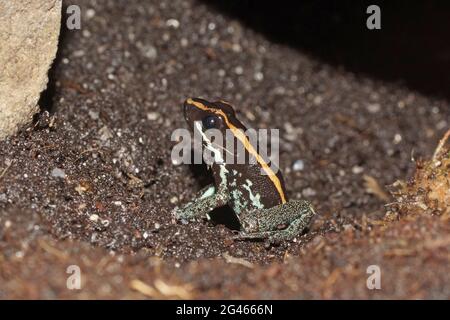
column 259, row 200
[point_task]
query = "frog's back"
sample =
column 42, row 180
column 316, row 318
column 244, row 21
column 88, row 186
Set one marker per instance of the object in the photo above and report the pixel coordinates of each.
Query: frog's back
column 250, row 189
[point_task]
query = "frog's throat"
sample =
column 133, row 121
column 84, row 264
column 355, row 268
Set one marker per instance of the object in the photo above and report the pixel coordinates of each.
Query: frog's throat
column 247, row 145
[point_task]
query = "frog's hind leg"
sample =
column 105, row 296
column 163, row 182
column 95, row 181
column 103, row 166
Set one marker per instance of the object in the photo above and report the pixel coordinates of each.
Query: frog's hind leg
column 205, row 201
column 296, row 214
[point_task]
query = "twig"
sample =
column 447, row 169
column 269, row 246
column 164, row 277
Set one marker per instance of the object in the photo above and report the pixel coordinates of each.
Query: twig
column 4, row 170
column 372, row 186
column 230, row 259
column 145, row 289
column 441, row 145
column 163, row 290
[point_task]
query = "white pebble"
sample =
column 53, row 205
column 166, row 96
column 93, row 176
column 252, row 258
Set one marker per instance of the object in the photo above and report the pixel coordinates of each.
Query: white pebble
column 259, row 76
column 90, row 13
column 239, row 70
column 93, row 114
column 58, row 173
column 357, row 169
column 374, row 107
column 397, row 138
column 298, row 165
column 149, row 51
column 173, row 23
column 309, row 192
column 152, row 116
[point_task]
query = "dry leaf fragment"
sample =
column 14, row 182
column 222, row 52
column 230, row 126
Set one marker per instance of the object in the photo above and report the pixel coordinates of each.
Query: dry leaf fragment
column 372, row 186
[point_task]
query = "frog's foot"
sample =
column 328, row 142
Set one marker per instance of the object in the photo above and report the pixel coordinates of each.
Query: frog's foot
column 269, row 237
column 264, row 224
column 186, row 212
column 242, row 235
column 204, row 202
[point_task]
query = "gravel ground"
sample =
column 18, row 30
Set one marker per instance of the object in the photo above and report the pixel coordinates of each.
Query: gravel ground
column 91, row 183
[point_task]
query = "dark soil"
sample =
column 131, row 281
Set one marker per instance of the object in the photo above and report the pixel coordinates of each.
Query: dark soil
column 92, row 183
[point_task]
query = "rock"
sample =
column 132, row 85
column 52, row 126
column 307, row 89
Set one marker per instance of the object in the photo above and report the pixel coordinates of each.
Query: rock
column 29, row 32
column 58, row 173
column 298, row 165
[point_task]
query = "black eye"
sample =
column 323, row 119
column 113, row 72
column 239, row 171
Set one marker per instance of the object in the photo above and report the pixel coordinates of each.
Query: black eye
column 210, row 122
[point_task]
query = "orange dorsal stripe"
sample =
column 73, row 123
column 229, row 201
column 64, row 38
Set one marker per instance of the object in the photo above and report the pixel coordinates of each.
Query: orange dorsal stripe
column 247, row 145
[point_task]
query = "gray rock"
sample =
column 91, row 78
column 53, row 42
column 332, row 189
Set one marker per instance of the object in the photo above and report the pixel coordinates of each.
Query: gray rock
column 29, row 32
column 58, row 173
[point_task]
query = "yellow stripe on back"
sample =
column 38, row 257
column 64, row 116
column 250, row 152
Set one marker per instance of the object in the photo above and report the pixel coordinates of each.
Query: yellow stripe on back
column 239, row 134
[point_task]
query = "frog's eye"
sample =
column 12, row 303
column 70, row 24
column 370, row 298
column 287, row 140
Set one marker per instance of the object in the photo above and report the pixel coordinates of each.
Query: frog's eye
column 211, row 122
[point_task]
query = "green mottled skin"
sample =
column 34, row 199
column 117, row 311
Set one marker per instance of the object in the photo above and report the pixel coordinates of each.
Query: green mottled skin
column 281, row 222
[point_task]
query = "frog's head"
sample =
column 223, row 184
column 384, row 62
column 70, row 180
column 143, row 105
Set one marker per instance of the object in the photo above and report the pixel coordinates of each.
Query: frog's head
column 204, row 115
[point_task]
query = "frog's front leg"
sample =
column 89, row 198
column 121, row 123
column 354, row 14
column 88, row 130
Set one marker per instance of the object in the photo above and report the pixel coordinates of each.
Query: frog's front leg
column 204, row 202
column 265, row 223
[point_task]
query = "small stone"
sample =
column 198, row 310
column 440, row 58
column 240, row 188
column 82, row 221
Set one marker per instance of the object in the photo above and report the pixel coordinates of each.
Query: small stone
column 317, row 100
column 174, row 199
column 58, row 173
column 105, row 133
column 78, row 53
column 152, row 116
column 236, row 47
column 184, row 42
column 94, row 217
column 149, row 51
column 374, row 107
column 258, row 76
column 86, row 33
column 357, row 169
column 211, row 26
column 93, row 114
column 90, row 13
column 174, row 23
column 309, row 192
column 298, row 165
column 397, row 138
column 239, row 70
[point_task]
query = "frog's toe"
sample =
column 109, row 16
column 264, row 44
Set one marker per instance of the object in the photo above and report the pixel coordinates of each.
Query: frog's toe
column 179, row 214
column 241, row 236
column 176, row 213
